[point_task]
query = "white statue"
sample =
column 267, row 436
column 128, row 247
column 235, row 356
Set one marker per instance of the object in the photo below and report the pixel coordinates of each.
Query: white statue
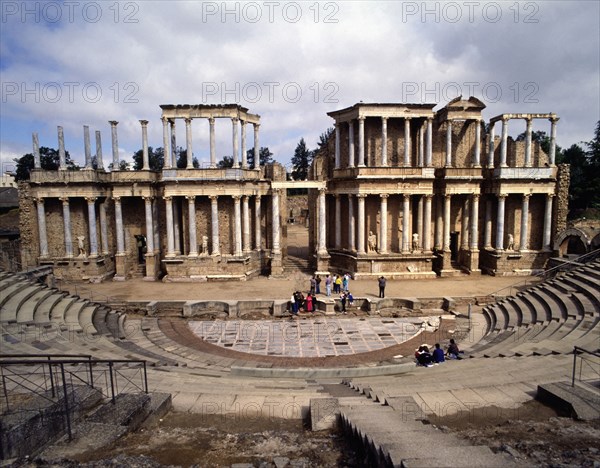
column 511, row 242
column 81, row 246
column 204, row 245
column 372, row 242
column 415, row 241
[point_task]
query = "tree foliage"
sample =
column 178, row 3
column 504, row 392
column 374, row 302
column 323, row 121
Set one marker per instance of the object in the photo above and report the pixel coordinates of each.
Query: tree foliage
column 225, row 163
column 156, row 159
column 49, row 159
column 301, row 161
column 264, row 156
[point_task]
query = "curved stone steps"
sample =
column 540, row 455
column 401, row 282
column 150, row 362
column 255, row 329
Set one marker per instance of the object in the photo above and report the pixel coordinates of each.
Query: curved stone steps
column 542, row 311
column 500, row 341
column 556, row 310
column 583, row 288
column 57, row 314
column 44, row 308
column 71, row 315
column 586, row 284
column 10, row 306
column 575, row 307
column 528, row 316
column 590, row 271
column 11, row 290
column 26, row 312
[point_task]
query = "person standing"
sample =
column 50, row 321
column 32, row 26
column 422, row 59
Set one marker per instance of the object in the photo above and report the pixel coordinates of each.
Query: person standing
column 328, row 285
column 318, row 284
column 313, row 284
column 345, row 282
column 343, row 301
column 294, row 305
column 338, row 284
column 309, row 303
column 381, row 286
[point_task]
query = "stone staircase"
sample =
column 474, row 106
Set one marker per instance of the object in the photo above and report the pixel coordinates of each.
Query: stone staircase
column 293, row 264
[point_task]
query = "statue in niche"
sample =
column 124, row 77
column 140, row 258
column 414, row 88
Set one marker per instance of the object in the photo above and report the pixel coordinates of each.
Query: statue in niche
column 81, row 246
column 511, row 242
column 204, row 249
column 372, row 242
column 415, row 242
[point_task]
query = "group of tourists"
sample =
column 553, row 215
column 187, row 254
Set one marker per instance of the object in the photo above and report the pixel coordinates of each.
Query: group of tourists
column 339, row 283
column 426, row 358
column 298, row 302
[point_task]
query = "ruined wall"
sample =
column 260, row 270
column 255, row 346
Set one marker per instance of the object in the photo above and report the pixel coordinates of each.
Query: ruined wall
column 561, row 200
column 28, row 226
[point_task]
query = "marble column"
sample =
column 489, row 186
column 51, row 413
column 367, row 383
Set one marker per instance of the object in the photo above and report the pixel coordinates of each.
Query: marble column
column 115, row 145
column 420, row 220
column 504, row 143
column 156, row 226
column 361, row 223
column 193, row 252
column 177, row 226
column 246, row 247
column 173, row 143
column 487, row 233
column 337, row 145
column 67, row 226
column 548, row 223
column 99, row 160
column 213, row 147
column 119, row 226
column 145, row 156
column 429, row 150
column 166, row 145
column 322, row 239
column 384, row 161
column 439, row 223
column 243, row 145
column 257, row 223
column 552, row 155
column 421, row 145
column 276, row 249
column 91, row 202
column 474, row 236
column 149, row 226
column 528, row 133
column 188, row 144
column 449, row 143
column 214, row 223
column 492, row 137
column 256, row 147
column 405, row 223
column 464, row 234
column 427, row 224
column 62, row 155
column 500, row 222
column 447, row 207
column 237, row 226
column 236, row 145
column 524, row 244
column 37, row 161
column 103, row 228
column 351, row 224
column 338, row 222
column 361, row 142
column 383, row 241
column 351, row 143
column 477, row 152
column 42, row 233
column 169, row 221
column 87, row 147
column 407, row 142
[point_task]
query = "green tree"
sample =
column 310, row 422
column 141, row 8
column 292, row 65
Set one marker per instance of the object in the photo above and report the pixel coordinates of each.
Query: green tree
column 49, row 160
column 122, row 166
column 301, row 161
column 575, row 156
column 182, row 159
column 543, row 139
column 264, row 156
column 225, row 163
column 156, row 159
column 324, row 138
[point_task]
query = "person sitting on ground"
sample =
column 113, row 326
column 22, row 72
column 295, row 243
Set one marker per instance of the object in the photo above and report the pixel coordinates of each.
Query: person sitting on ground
column 453, row 351
column 438, row 354
column 423, row 356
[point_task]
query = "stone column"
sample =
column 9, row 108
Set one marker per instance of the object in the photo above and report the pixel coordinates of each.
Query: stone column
column 146, row 160
column 500, row 222
column 491, row 145
column 429, row 150
column 156, row 226
column 504, row 143
column 276, row 249
column 173, row 144
column 427, row 224
column 407, row 142
column 236, row 146
column 420, row 220
column 351, row 224
column 405, row 223
column 166, row 145
column 169, row 221
column 384, row 161
column 214, row 223
column 87, row 148
column 103, row 228
column 41, row 215
column 361, row 142
column 91, row 201
column 361, row 223
column 37, row 161
column 322, row 239
column 246, row 225
column 67, row 227
column 548, row 223
column 237, row 217
column 337, row 145
column 149, row 226
column 449, row 143
column 177, row 227
column 99, row 160
column 439, row 223
column 474, row 236
column 338, row 222
column 193, row 252
column 523, row 244
column 464, row 234
column 477, row 153
column 383, row 224
column 257, row 223
column 351, row 143
column 213, row 148
column 552, row 155
column 256, row 147
column 528, row 142
column 62, row 155
column 244, row 155
column 119, row 226
column 447, row 207
column 487, row 234
column 421, row 145
column 188, row 144
column 115, row 144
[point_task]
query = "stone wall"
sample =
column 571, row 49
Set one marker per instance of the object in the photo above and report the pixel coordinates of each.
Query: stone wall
column 561, row 201
column 28, row 226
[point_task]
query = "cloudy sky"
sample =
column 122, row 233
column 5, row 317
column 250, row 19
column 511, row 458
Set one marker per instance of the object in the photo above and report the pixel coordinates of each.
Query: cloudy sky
column 85, row 63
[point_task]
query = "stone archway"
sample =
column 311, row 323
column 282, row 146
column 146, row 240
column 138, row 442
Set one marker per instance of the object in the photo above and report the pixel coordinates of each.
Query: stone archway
column 572, row 241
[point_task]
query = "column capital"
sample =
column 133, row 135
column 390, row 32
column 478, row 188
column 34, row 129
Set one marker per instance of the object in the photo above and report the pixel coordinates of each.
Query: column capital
column 257, row 196
column 384, row 118
column 277, row 191
column 322, row 191
column 429, row 119
column 213, row 197
column 447, row 196
column 528, row 119
column 236, row 197
column 361, row 195
column 168, row 198
column 235, row 120
column 527, row 195
column 188, row 120
column 384, row 196
column 115, row 198
column 407, row 117
column 428, row 196
column 65, row 200
column 144, row 123
column 91, row 199
column 504, row 119
column 502, row 195
column 165, row 120
column 475, row 196
column 113, row 123
column 554, row 119
column 245, row 197
column 190, row 198
column 550, row 195
column 256, row 126
column 147, row 198
column 406, row 196
column 211, row 120
column 361, row 118
column 337, row 196
column 39, row 199
column 243, row 122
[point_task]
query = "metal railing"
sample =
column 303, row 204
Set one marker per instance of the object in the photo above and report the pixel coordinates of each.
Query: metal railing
column 590, row 363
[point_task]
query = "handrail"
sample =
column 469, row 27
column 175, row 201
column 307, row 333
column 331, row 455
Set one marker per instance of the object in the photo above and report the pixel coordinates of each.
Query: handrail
column 576, row 352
